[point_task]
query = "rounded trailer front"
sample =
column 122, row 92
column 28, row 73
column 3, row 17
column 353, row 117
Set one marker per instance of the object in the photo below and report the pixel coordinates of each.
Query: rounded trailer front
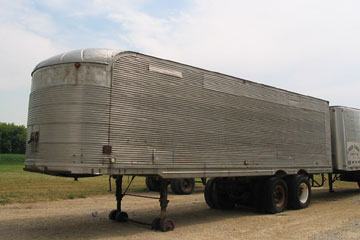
column 68, row 120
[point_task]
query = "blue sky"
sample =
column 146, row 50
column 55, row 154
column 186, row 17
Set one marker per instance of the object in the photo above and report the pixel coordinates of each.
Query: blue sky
column 310, row 47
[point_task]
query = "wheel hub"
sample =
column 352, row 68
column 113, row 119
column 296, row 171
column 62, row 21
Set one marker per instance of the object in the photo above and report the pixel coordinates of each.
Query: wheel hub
column 279, row 196
column 303, row 193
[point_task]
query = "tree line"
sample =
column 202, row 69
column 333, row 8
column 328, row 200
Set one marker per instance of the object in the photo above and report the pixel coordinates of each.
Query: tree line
column 12, row 138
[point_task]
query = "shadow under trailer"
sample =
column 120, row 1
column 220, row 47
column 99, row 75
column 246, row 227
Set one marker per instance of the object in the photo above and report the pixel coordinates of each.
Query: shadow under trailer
column 106, row 112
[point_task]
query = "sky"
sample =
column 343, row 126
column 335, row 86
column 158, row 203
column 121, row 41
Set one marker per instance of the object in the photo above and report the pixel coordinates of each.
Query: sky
column 310, row 47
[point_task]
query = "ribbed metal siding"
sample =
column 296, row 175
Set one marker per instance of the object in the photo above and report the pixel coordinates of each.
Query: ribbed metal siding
column 352, row 125
column 73, row 121
column 164, row 121
column 345, row 135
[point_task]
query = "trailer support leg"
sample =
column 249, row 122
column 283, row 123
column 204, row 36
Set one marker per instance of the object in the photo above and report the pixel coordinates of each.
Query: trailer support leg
column 117, row 214
column 118, row 193
column 203, row 180
column 330, row 183
column 162, row 223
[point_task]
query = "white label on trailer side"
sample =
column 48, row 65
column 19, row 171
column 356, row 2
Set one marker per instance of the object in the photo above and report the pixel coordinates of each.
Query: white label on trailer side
column 353, row 151
column 165, row 71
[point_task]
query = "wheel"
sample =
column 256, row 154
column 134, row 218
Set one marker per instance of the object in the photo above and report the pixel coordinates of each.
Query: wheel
column 173, row 185
column 112, row 215
column 153, row 183
column 121, row 217
column 220, row 196
column 156, row 223
column 299, row 192
column 258, row 196
column 275, row 195
column 208, row 193
column 183, row 185
column 167, row 225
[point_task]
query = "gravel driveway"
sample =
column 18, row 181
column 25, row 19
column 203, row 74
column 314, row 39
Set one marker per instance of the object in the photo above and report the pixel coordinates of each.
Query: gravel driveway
column 330, row 216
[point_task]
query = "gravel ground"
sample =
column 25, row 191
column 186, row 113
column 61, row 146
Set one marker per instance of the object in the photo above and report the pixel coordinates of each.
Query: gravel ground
column 330, row 216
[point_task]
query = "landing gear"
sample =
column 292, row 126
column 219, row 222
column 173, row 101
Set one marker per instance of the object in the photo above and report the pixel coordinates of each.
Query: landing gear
column 162, row 223
column 117, row 214
column 331, row 181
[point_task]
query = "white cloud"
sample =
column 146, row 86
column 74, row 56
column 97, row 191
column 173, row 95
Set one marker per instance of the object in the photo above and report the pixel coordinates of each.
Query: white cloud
column 91, row 8
column 21, row 51
column 303, row 46
column 25, row 41
column 22, row 13
column 310, row 47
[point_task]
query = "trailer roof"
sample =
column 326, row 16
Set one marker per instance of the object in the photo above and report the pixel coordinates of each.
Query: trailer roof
column 92, row 55
column 106, row 56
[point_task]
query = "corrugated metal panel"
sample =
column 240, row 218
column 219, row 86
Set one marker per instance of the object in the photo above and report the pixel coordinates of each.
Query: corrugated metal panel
column 71, row 116
column 207, row 120
column 170, row 119
column 345, row 138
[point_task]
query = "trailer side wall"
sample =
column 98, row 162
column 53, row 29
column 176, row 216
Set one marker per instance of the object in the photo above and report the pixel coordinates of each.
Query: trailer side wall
column 185, row 122
column 132, row 114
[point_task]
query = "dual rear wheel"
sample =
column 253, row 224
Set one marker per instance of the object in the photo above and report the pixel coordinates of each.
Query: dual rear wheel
column 275, row 194
column 270, row 195
column 299, row 192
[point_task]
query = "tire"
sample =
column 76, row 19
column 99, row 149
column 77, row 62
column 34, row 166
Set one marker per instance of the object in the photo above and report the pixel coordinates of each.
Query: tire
column 121, row 217
column 183, row 186
column 220, row 196
column 167, row 225
column 112, row 215
column 156, row 223
column 174, row 186
column 153, row 183
column 275, row 195
column 258, row 196
column 299, row 192
column 208, row 193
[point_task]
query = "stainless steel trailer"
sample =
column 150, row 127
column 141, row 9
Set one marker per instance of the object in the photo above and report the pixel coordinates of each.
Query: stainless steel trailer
column 345, row 137
column 98, row 111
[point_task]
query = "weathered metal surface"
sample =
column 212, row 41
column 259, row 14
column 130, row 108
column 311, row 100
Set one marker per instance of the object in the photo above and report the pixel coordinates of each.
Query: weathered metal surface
column 69, row 107
column 166, row 118
column 345, row 133
column 89, row 55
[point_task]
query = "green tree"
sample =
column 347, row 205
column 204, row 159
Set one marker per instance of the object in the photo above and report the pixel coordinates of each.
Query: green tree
column 12, row 138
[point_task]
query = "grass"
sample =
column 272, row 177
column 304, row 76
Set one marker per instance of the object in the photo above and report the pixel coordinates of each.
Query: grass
column 337, row 183
column 18, row 186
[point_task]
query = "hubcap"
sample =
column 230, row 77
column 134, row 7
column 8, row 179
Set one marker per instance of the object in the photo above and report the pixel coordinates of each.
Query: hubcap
column 187, row 184
column 279, row 196
column 303, row 193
